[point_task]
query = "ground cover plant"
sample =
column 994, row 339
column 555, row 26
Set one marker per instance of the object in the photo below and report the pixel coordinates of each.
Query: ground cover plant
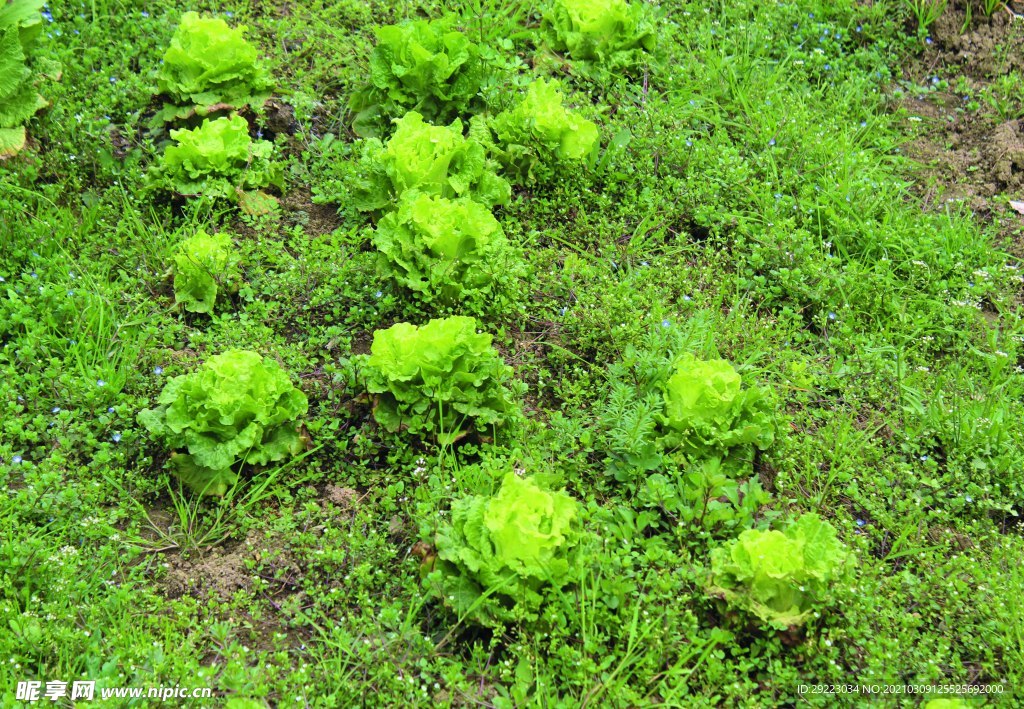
column 528, row 354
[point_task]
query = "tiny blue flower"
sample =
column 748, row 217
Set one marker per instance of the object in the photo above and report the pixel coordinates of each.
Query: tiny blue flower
column 144, row 13
column 778, row 196
column 2, row 280
column 16, row 460
column 863, row 124
column 35, row 275
column 924, row 458
column 689, row 143
column 71, row 292
column 832, row 316
column 665, row 323
column 158, row 370
column 113, row 80
column 564, row 309
column 771, row 142
column 692, row 102
column 927, row 40
column 935, row 80
column 55, row 410
column 47, row 14
column 828, row 67
column 228, row 13
column 100, row 383
column 825, row 32
column 116, row 438
column 644, row 263
column 687, row 298
column 378, row 294
column 859, row 28
column 968, row 498
column 110, row 410
column 861, row 523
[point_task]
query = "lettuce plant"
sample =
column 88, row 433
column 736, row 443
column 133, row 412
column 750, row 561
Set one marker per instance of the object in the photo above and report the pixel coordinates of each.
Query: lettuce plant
column 613, row 33
column 540, row 131
column 19, row 99
column 448, row 251
column 707, row 411
column 500, row 554
column 204, row 266
column 210, row 67
column 418, row 66
column 780, row 577
column 237, row 409
column 443, row 379
column 217, row 160
column 434, row 160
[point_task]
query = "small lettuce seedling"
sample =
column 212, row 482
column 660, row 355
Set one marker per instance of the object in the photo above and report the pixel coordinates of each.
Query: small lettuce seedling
column 20, row 24
column 539, row 132
column 217, row 160
column 707, row 412
column 500, row 554
column 614, row 34
column 780, row 577
column 434, row 160
column 204, row 266
column 443, row 379
column 237, row 409
column 418, row 66
column 446, row 251
column 210, row 67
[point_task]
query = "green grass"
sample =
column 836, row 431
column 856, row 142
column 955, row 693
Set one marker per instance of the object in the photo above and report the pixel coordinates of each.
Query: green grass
column 762, row 210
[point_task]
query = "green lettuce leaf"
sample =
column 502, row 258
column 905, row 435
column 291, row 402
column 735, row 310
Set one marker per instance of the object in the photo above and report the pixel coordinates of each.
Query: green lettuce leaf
column 434, row 160
column 540, row 132
column 707, row 412
column 613, row 33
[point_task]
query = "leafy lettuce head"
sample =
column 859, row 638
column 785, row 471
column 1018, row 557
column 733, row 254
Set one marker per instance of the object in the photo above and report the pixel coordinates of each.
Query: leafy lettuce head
column 217, row 160
column 540, row 129
column 445, row 250
column 420, row 66
column 708, row 412
column 500, row 553
column 20, row 24
column 237, row 408
column 442, row 379
column 781, row 577
column 203, row 266
column 434, row 160
column 614, row 33
column 209, row 67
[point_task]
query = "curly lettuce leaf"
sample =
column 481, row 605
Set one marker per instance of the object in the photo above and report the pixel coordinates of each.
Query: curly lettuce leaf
column 448, row 251
column 540, row 131
column 19, row 98
column 707, row 412
column 615, row 34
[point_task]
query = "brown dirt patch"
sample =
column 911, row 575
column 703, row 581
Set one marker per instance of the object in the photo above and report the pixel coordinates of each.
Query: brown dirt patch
column 219, row 571
column 972, row 156
column 316, row 219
